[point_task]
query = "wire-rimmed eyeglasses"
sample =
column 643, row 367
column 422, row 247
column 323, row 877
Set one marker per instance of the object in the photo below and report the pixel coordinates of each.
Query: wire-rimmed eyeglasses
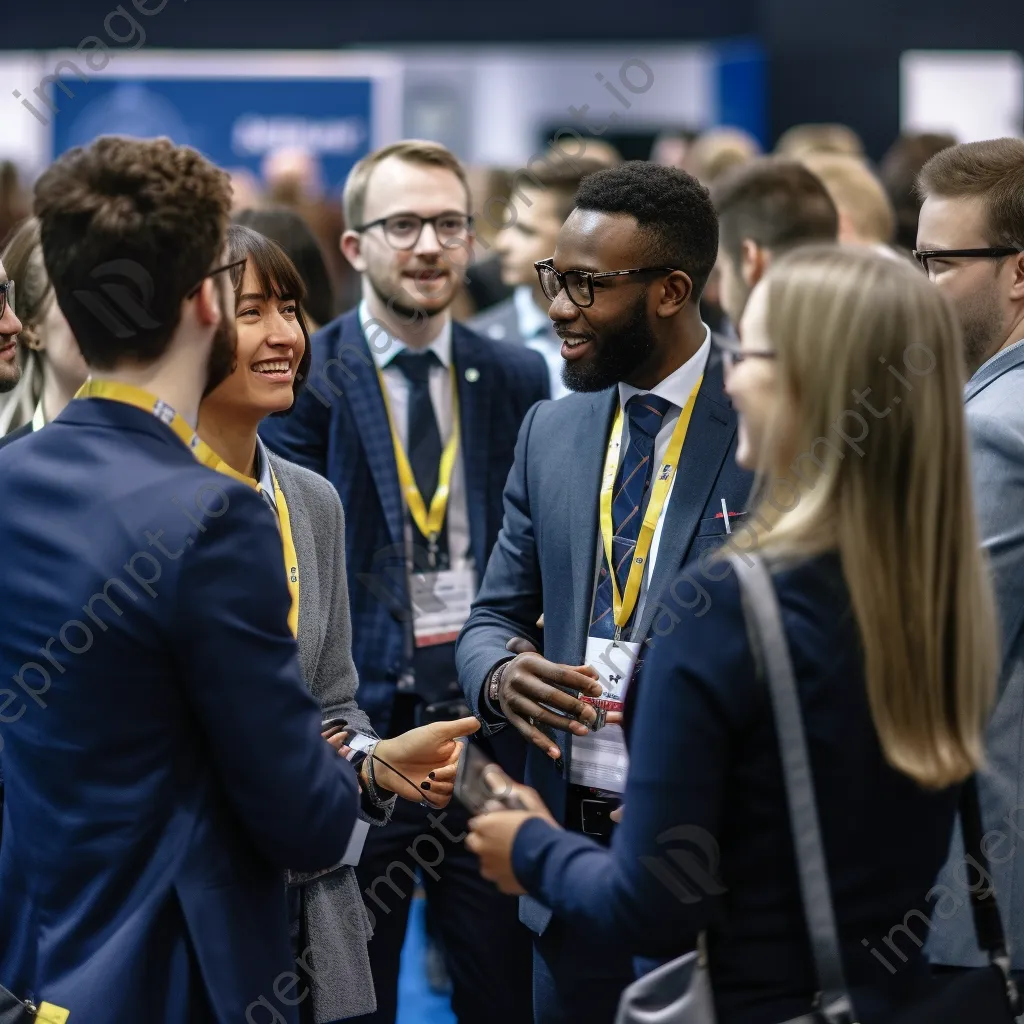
column 579, row 284
column 236, row 269
column 402, row 230
column 733, row 354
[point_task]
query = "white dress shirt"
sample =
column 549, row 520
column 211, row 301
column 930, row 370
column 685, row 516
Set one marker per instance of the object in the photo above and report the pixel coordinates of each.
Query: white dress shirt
column 263, row 474
column 384, row 350
column 538, row 333
column 675, row 388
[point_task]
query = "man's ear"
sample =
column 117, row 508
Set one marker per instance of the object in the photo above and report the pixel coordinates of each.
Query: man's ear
column 208, row 311
column 678, row 288
column 351, row 246
column 754, row 262
column 1017, row 285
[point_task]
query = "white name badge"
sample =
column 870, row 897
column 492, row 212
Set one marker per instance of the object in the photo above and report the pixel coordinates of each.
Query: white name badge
column 440, row 602
column 599, row 759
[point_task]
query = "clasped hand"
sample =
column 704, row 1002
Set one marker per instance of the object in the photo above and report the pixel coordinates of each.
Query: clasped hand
column 427, row 757
column 530, row 681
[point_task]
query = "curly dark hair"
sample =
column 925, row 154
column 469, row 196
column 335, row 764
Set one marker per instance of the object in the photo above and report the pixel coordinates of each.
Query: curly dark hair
column 676, row 221
column 129, row 228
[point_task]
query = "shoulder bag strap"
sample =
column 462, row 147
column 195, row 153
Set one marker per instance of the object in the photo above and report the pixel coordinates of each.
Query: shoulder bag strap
column 764, row 623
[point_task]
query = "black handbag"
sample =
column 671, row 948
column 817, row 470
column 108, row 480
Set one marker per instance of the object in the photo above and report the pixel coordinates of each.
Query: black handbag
column 986, row 995
column 14, row 1010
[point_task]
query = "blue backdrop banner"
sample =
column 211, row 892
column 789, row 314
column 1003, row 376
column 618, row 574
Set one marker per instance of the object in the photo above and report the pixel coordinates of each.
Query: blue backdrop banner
column 234, row 122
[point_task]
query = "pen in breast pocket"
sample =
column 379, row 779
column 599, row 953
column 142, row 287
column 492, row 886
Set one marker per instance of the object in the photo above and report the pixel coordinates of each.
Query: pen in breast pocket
column 725, row 516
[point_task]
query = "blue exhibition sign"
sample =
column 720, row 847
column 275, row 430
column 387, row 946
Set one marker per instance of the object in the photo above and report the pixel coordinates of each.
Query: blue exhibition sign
column 234, row 122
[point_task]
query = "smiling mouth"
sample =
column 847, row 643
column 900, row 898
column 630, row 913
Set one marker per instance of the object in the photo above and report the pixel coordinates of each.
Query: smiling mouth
column 273, row 368
column 574, row 340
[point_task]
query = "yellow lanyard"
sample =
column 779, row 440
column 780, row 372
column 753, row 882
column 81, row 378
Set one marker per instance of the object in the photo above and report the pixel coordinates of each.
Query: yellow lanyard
column 117, row 392
column 624, row 604
column 429, row 523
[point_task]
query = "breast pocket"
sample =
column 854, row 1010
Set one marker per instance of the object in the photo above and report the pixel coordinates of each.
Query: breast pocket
column 715, row 526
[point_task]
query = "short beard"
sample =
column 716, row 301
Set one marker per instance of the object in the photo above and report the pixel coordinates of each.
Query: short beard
column 11, row 382
column 401, row 307
column 981, row 325
column 617, row 353
column 220, row 364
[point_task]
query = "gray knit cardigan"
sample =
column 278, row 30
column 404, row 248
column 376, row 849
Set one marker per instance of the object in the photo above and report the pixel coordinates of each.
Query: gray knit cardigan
column 338, row 924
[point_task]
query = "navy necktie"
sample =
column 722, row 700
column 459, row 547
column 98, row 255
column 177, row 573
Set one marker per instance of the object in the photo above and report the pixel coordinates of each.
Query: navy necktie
column 423, row 447
column 646, row 414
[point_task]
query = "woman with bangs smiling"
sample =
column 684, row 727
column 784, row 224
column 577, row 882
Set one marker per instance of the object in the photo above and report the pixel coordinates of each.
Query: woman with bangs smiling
column 330, row 924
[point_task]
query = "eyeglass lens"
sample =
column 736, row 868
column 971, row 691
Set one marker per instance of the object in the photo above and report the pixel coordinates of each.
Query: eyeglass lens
column 403, row 231
column 577, row 286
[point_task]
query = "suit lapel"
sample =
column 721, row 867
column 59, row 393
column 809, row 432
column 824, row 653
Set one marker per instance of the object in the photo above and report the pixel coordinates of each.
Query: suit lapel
column 588, row 454
column 475, row 389
column 710, row 433
column 371, row 419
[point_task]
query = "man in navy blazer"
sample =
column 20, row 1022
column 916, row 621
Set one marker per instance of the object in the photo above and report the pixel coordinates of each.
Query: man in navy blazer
column 398, row 365
column 624, row 284
column 162, row 756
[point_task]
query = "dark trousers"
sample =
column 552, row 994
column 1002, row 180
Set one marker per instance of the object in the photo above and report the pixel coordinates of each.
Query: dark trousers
column 486, row 949
column 576, row 981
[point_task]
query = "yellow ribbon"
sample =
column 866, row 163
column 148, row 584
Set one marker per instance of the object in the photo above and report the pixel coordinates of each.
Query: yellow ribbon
column 428, row 522
column 117, row 392
column 624, row 604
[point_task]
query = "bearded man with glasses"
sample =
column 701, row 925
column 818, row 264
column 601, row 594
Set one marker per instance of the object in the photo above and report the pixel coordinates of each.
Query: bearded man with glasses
column 413, row 418
column 614, row 489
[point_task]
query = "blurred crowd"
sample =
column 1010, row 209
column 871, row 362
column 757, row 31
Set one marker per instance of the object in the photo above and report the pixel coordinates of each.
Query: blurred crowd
column 290, row 202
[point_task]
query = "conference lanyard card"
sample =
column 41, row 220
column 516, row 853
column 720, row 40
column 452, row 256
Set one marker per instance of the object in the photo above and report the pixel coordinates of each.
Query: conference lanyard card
column 441, row 602
column 599, row 759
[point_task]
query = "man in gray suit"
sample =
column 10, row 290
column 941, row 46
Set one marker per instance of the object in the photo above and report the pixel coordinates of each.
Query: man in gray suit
column 540, row 205
column 971, row 242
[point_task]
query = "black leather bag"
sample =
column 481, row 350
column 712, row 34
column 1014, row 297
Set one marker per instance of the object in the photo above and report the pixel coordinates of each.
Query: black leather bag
column 986, row 995
column 15, row 1011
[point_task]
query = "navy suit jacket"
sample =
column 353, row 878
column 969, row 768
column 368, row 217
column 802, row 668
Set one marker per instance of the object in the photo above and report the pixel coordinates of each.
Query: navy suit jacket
column 544, row 560
column 162, row 754
column 338, row 427
column 705, row 841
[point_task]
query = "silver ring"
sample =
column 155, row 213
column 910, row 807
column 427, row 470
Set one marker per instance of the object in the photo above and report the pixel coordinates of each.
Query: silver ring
column 529, row 719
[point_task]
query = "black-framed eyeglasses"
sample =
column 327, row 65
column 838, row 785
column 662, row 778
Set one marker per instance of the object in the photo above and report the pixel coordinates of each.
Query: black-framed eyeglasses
column 6, row 297
column 733, row 354
column 402, row 230
column 579, row 284
column 236, row 270
column 992, row 253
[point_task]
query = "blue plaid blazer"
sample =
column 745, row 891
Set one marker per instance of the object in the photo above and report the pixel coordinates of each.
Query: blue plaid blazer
column 338, row 427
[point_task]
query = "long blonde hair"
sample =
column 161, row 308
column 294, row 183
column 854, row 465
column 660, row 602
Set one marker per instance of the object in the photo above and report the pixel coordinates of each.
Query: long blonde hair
column 868, row 455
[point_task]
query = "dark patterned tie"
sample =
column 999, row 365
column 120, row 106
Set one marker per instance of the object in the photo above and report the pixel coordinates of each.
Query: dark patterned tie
column 423, row 447
column 645, row 413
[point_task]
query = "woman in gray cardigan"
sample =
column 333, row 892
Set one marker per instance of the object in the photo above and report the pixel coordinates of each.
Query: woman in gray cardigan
column 331, row 925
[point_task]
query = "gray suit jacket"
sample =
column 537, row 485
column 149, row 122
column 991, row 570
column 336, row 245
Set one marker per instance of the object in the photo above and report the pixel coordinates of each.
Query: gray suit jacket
column 995, row 420
column 338, row 924
column 500, row 322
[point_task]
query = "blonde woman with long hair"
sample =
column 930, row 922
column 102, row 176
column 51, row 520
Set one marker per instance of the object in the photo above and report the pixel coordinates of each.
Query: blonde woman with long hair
column 847, row 382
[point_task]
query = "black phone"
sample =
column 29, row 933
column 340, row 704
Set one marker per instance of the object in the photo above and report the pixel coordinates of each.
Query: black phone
column 478, row 781
column 333, row 725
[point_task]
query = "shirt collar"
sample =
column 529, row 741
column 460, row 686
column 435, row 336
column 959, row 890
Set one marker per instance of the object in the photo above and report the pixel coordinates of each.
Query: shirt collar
column 533, row 321
column 676, row 387
column 384, row 348
column 263, row 474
